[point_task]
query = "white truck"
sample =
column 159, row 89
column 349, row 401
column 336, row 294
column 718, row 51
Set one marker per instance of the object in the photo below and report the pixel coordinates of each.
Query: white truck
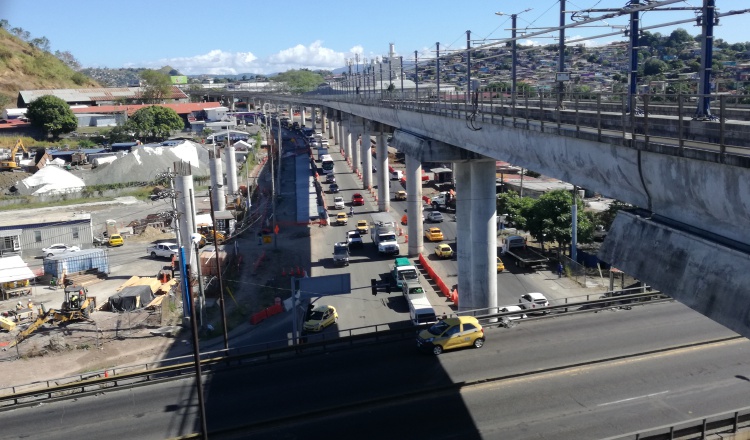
column 383, row 234
column 444, row 200
column 164, row 250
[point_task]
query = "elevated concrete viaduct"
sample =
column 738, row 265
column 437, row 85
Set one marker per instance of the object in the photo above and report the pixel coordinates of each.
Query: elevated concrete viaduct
column 697, row 255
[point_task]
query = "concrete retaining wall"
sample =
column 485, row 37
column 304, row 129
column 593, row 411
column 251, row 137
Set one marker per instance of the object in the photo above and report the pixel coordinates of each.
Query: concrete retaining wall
column 707, row 277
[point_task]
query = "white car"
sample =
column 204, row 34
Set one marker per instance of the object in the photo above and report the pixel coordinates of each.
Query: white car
column 338, row 202
column 59, row 248
column 532, row 301
column 435, row 216
column 507, row 309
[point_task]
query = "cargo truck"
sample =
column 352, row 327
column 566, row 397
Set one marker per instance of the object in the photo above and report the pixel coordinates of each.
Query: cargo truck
column 383, row 234
column 515, row 247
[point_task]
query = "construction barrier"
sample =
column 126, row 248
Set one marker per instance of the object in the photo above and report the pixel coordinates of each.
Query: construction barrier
column 257, row 263
column 451, row 295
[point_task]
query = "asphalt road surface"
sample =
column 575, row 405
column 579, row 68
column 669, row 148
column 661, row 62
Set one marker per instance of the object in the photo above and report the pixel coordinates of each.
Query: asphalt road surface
column 579, row 377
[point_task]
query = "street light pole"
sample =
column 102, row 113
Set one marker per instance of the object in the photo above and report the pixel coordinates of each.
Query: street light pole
column 188, row 286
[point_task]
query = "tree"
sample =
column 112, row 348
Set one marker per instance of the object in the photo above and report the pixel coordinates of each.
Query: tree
column 41, row 43
column 52, row 115
column 155, row 122
column 299, row 81
column 68, row 59
column 157, row 86
column 654, row 66
column 515, row 207
column 550, row 218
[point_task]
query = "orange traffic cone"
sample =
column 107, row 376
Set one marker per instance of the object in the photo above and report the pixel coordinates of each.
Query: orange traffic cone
column 406, row 238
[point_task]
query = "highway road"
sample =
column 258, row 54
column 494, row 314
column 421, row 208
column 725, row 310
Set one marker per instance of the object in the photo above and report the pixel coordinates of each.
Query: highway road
column 577, row 377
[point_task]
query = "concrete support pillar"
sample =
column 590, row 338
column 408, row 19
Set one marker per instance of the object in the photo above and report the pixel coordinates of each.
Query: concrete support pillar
column 483, row 237
column 231, row 164
column 366, row 153
column 312, row 118
column 348, row 137
column 383, row 178
column 415, row 226
column 217, row 180
column 183, row 186
column 301, row 116
column 356, row 127
column 462, row 174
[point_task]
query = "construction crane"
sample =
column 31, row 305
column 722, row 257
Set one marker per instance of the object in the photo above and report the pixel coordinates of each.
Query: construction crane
column 11, row 164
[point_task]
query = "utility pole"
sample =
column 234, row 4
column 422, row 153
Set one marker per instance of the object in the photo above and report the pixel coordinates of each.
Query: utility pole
column 513, row 60
column 401, row 72
column 561, row 57
column 218, row 274
column 633, row 76
column 468, row 67
column 707, row 20
column 437, row 70
column 416, row 76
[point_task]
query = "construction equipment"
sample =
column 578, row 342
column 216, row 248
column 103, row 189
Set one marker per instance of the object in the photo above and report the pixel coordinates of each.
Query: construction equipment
column 77, row 306
column 11, row 163
column 208, row 233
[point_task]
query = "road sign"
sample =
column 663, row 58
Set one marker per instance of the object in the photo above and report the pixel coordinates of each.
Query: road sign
column 267, row 239
column 276, row 230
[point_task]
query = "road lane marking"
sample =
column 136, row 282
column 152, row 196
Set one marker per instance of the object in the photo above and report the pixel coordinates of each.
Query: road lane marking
column 647, row 396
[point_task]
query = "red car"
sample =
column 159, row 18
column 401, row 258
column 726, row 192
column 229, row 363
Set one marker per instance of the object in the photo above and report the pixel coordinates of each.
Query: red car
column 357, row 199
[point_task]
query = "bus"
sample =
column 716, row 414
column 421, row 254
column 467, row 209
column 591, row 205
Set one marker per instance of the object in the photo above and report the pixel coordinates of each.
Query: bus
column 327, row 164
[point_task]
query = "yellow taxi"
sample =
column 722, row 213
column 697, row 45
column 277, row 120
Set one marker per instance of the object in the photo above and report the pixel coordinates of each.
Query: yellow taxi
column 363, row 227
column 321, row 317
column 450, row 333
column 400, row 195
column 116, row 240
column 433, row 234
column 500, row 265
column 342, row 218
column 443, row 251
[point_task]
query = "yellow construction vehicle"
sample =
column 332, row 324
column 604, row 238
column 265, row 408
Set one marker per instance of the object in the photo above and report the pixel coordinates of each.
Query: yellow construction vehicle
column 208, row 233
column 77, row 306
column 10, row 164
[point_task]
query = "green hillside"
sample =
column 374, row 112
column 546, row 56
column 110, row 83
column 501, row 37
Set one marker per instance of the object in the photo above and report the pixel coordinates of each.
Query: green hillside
column 23, row 66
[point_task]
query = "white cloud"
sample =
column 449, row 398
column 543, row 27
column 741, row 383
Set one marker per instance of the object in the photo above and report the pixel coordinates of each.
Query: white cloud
column 218, row 62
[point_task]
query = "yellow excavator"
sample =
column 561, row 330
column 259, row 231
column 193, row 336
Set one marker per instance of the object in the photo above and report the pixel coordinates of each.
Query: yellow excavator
column 78, row 306
column 10, row 164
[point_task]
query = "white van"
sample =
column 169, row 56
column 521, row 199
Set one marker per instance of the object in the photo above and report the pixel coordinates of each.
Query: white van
column 421, row 311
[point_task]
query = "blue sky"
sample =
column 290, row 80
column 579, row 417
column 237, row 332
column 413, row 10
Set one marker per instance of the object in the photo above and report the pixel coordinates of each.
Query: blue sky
column 239, row 36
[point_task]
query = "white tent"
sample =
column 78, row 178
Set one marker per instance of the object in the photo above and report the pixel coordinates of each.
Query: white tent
column 14, row 269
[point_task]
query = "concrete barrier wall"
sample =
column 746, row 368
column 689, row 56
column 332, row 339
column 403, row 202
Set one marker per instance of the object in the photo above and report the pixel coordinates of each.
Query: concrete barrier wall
column 707, row 277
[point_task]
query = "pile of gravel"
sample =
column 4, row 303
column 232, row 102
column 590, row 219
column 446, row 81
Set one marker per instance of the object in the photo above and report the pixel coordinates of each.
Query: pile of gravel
column 144, row 163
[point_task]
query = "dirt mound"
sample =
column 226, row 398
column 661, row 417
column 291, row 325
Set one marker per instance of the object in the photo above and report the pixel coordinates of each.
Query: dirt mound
column 10, row 178
column 152, row 234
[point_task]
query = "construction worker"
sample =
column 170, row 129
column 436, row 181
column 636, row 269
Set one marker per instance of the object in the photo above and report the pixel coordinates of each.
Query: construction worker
column 30, row 305
column 19, row 306
column 74, row 301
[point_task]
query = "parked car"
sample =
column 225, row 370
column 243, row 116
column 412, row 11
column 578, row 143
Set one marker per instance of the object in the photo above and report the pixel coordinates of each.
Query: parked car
column 433, row 234
column 534, row 300
column 443, row 251
column 320, row 318
column 338, row 202
column 435, row 216
column 450, row 333
column 59, row 248
column 358, row 200
column 400, row 195
column 334, row 188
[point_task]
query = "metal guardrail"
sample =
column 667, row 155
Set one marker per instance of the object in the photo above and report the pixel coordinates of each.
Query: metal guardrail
column 658, row 119
column 167, row 369
column 721, row 423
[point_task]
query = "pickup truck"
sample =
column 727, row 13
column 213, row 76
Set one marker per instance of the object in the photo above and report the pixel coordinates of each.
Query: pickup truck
column 164, row 250
column 515, row 247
